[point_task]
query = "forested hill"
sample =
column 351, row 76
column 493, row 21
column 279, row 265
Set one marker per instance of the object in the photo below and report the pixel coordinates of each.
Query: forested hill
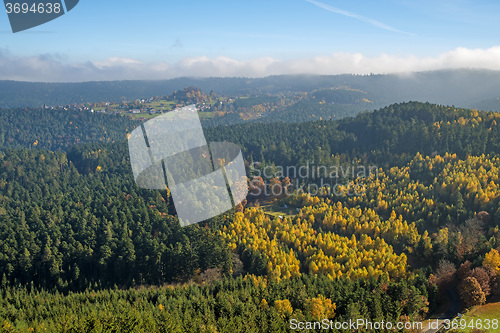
column 426, row 128
column 77, row 218
column 75, row 230
column 405, row 128
column 400, row 128
column 466, row 88
column 60, row 129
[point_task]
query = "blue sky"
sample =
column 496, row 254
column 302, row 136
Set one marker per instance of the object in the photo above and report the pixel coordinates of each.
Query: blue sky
column 101, row 40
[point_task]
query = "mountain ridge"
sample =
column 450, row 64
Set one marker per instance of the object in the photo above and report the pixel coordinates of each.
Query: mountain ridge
column 462, row 87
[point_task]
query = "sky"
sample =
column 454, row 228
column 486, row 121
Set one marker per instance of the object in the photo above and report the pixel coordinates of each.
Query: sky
column 129, row 40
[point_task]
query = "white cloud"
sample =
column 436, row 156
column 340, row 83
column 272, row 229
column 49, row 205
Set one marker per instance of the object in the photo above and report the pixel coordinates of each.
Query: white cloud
column 53, row 68
column 116, row 61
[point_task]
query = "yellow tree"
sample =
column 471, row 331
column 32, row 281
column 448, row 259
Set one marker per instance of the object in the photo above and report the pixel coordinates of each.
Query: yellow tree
column 492, row 259
column 283, row 307
column 320, row 307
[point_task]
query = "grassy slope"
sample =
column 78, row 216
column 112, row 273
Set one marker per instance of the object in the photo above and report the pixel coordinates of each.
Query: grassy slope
column 488, row 311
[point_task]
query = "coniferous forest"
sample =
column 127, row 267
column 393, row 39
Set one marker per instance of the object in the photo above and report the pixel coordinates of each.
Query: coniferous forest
column 84, row 249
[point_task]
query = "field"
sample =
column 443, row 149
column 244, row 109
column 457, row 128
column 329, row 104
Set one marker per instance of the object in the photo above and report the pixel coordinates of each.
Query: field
column 489, row 311
column 162, row 105
column 279, row 209
column 142, row 115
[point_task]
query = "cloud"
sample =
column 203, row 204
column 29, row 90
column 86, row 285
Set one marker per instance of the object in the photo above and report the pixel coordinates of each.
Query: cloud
column 56, row 68
column 358, row 17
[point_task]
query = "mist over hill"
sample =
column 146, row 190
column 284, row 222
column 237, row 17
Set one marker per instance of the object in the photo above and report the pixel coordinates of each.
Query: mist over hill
column 464, row 88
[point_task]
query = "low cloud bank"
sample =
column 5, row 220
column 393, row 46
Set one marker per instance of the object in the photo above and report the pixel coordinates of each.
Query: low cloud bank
column 52, row 68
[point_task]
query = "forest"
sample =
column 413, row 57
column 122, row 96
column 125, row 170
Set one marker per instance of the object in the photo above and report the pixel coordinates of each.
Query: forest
column 83, row 249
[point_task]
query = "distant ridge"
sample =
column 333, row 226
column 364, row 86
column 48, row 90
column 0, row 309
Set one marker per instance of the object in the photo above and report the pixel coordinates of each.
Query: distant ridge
column 463, row 87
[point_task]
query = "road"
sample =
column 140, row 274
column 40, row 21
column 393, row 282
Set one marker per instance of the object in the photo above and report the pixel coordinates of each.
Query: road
column 453, row 308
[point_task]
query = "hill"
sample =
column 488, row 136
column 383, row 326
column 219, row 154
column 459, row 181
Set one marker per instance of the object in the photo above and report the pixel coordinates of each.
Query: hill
column 466, row 88
column 83, row 248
